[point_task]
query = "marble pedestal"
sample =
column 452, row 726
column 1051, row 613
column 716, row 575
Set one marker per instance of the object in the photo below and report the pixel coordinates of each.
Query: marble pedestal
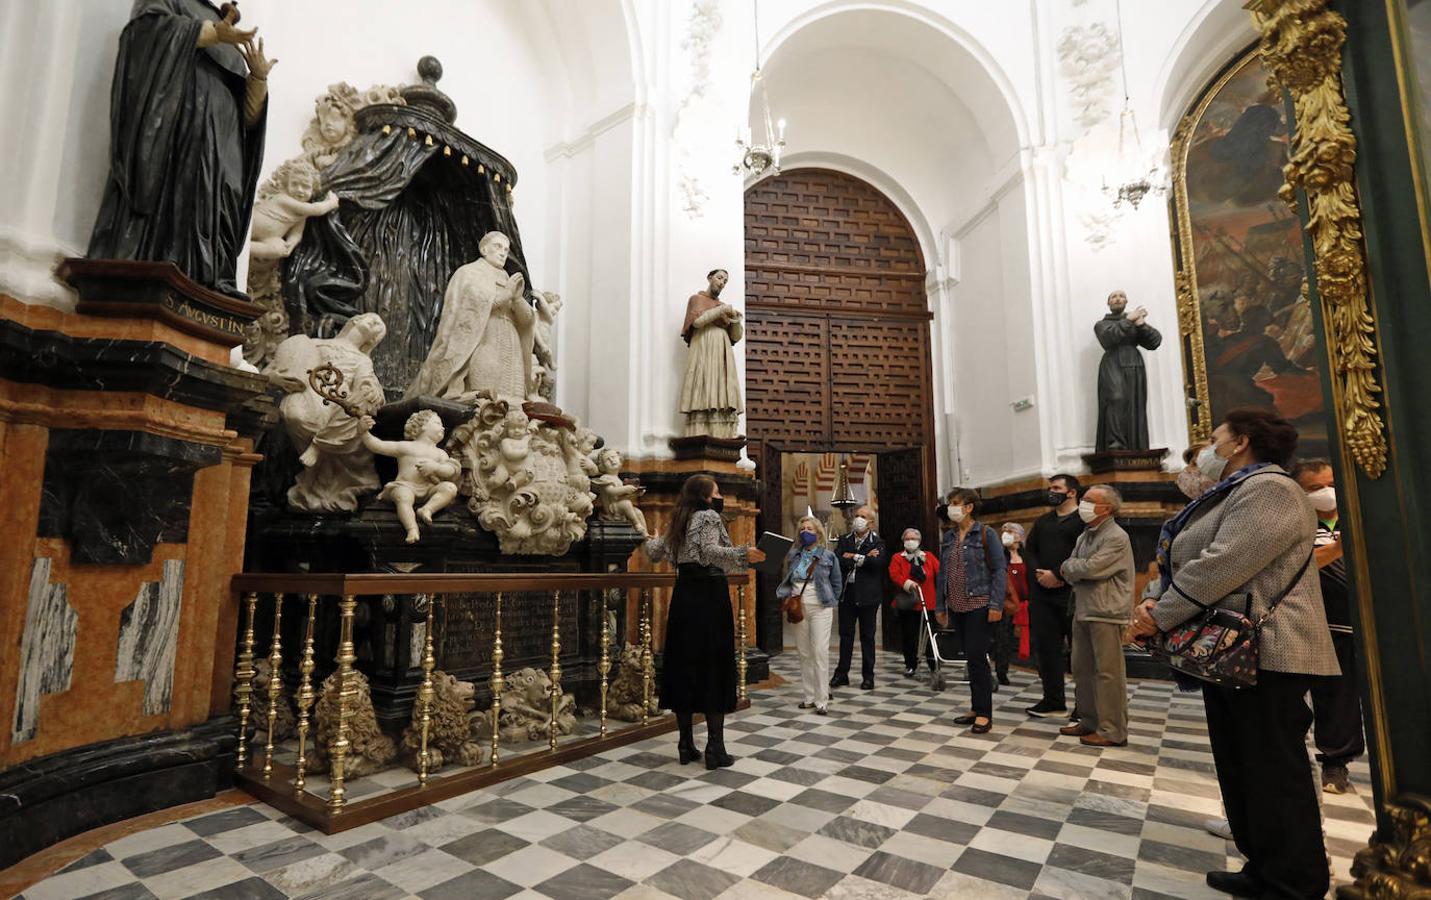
column 126, row 444
column 662, row 479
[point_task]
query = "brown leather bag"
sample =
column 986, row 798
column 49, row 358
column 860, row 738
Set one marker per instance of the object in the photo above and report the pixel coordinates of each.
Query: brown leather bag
column 794, row 609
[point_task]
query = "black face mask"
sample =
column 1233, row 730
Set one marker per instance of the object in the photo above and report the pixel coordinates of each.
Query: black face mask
column 1056, row 498
column 717, row 503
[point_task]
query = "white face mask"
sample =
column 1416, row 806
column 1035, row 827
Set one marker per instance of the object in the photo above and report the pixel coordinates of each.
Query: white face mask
column 1087, row 510
column 956, row 514
column 1009, row 539
column 911, row 545
column 1323, row 500
column 1210, row 464
column 861, row 523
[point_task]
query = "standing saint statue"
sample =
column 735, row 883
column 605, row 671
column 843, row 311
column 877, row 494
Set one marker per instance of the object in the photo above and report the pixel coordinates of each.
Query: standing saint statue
column 1122, row 380
column 710, row 394
column 186, row 120
column 486, row 334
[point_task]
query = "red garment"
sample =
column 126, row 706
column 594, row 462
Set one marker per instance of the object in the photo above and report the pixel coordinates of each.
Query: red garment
column 899, row 574
column 1019, row 590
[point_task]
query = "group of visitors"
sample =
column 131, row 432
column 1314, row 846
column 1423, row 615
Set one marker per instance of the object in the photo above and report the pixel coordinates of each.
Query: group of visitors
column 1258, row 537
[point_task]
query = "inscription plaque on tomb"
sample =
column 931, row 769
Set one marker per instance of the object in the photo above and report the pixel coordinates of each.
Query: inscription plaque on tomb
column 465, row 637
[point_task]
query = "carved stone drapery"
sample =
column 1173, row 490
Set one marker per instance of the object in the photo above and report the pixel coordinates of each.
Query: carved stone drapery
column 1301, row 46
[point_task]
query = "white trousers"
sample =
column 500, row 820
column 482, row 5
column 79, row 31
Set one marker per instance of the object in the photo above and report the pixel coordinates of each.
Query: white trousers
column 812, row 641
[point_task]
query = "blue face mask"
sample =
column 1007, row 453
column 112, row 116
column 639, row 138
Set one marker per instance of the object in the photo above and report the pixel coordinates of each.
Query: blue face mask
column 807, row 538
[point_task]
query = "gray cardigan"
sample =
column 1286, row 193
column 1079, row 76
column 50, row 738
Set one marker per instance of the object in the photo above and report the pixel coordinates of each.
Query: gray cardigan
column 1254, row 541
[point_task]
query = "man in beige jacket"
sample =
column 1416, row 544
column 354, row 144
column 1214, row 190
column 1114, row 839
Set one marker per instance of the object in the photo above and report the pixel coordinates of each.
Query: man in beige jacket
column 1101, row 572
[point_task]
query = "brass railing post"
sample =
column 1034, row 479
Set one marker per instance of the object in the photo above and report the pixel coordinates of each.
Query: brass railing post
column 497, row 682
column 305, row 694
column 426, row 693
column 275, row 683
column 347, row 689
column 243, row 680
column 742, row 692
column 603, row 666
column 648, row 660
column 555, row 689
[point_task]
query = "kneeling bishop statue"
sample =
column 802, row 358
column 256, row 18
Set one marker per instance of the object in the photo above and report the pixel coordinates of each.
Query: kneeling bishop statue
column 486, row 335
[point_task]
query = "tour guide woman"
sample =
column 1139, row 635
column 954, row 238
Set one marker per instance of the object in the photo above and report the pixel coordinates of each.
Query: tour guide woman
column 1251, row 534
column 698, row 673
column 972, row 577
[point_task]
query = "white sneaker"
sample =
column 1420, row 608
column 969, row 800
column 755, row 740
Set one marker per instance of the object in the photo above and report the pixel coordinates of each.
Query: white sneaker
column 821, row 710
column 1218, row 827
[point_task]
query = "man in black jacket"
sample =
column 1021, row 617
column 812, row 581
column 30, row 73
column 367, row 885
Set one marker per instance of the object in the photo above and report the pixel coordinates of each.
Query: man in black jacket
column 862, row 557
column 1336, row 702
column 1049, row 545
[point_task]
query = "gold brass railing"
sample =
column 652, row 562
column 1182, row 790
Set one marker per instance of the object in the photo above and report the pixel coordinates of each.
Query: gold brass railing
column 286, row 786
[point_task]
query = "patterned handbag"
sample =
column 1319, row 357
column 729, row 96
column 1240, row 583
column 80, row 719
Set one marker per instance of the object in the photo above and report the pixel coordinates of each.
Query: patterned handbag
column 1220, row 646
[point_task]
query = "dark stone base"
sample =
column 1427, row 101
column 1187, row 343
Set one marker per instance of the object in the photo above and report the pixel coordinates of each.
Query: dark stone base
column 143, row 289
column 757, row 665
column 1126, row 460
column 705, row 447
column 50, row 799
column 1141, row 664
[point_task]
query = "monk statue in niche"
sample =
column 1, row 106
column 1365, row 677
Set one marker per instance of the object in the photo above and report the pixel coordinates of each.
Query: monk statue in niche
column 486, row 334
column 710, row 394
column 1122, row 380
column 187, row 111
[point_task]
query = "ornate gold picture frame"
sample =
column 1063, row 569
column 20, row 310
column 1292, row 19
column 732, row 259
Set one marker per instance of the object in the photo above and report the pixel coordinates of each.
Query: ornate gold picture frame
column 1244, row 318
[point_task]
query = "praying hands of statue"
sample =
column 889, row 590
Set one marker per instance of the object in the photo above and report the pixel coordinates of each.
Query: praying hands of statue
column 1139, row 315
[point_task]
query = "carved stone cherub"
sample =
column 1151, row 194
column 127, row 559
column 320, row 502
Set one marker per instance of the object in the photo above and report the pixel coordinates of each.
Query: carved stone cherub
column 424, row 469
column 285, row 203
column 513, row 449
column 613, row 496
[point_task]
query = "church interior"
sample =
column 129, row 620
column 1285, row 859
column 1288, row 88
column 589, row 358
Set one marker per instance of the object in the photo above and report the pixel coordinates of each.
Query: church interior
column 715, row 448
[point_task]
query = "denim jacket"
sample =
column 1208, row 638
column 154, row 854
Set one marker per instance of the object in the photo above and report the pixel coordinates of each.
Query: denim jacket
column 982, row 548
column 825, row 574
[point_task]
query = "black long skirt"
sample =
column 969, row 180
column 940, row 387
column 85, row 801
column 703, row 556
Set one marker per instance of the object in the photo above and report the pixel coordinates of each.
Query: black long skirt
column 698, row 663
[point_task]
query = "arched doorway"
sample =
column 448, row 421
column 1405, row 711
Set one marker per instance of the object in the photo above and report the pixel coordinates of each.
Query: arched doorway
column 837, row 345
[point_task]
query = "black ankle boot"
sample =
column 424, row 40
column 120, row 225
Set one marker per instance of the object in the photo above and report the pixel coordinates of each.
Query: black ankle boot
column 686, row 746
column 716, row 757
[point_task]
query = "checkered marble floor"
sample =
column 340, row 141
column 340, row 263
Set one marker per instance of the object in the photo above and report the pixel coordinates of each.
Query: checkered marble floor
column 884, row 798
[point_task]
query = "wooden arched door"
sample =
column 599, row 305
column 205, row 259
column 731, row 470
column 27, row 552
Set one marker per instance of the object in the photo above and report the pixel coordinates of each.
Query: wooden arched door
column 837, row 342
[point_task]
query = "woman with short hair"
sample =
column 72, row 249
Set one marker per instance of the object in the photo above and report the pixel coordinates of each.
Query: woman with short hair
column 1246, row 545
column 973, row 574
column 915, row 574
column 813, row 580
column 698, row 659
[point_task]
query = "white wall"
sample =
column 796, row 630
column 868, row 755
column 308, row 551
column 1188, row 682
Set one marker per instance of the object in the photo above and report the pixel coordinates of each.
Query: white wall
column 963, row 113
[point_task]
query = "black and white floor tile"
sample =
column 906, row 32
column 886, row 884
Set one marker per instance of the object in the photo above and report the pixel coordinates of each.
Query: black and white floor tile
column 884, row 798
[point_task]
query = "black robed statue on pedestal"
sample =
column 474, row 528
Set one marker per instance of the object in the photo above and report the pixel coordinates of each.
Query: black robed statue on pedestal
column 187, row 112
column 1122, row 380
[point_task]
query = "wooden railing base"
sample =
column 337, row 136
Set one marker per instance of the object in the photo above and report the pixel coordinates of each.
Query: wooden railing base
column 312, row 809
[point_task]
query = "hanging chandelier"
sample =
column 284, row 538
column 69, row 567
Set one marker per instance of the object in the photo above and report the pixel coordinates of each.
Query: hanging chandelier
column 1137, row 174
column 756, row 159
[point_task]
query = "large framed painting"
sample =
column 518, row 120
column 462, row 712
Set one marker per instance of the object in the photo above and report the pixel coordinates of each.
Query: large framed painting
column 1411, row 46
column 1243, row 313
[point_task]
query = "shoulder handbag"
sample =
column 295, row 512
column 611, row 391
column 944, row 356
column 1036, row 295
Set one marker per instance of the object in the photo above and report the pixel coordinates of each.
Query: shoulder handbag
column 794, row 609
column 908, row 601
column 1221, row 645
